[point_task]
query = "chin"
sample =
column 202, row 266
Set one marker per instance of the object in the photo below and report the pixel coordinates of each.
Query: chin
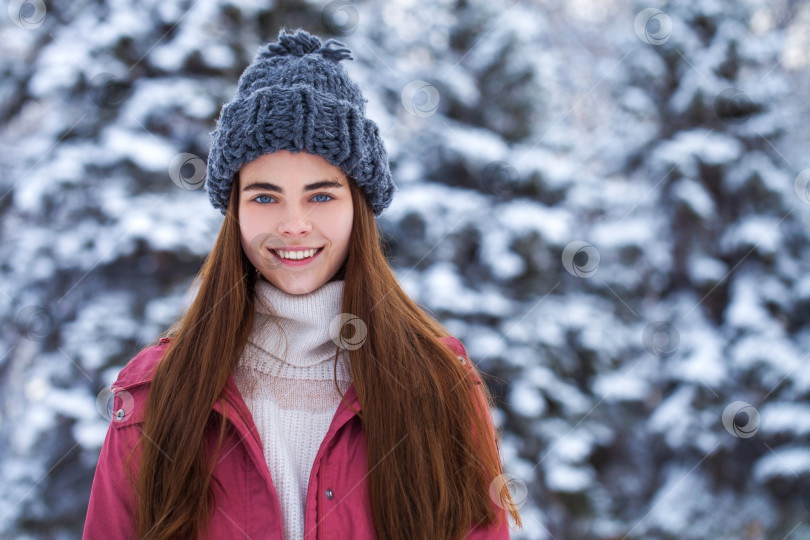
column 305, row 287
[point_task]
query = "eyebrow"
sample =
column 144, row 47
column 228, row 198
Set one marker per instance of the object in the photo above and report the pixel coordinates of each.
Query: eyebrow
column 265, row 186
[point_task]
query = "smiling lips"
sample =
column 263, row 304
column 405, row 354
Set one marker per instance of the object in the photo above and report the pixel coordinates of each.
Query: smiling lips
column 296, row 254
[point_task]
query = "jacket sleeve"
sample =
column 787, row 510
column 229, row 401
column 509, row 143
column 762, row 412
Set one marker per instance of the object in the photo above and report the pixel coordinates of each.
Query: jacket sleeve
column 110, row 511
column 498, row 531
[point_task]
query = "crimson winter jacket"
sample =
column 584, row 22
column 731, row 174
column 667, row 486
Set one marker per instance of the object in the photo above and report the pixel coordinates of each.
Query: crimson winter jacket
column 337, row 506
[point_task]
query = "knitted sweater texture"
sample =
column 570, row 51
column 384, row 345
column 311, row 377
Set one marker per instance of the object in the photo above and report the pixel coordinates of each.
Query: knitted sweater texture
column 285, row 375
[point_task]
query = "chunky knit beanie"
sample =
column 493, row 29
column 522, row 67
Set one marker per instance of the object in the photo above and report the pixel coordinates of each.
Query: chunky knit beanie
column 295, row 95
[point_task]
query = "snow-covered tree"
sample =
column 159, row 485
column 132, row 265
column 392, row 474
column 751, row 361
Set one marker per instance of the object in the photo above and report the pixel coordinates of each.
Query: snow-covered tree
column 606, row 203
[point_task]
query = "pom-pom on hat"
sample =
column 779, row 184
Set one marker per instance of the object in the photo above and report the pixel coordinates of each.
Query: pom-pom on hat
column 295, row 95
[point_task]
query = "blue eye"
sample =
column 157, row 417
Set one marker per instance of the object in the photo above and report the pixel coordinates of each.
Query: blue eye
column 260, row 196
column 323, row 195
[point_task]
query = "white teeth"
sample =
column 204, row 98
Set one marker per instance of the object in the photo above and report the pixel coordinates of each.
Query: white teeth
column 296, row 254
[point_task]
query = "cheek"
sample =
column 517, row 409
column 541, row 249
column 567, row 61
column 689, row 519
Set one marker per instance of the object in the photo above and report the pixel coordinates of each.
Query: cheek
column 343, row 230
column 337, row 224
column 250, row 232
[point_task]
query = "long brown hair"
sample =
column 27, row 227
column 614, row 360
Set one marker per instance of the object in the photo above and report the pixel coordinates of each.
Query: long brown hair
column 419, row 406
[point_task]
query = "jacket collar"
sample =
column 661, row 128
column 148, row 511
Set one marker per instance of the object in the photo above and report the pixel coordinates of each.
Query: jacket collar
column 141, row 368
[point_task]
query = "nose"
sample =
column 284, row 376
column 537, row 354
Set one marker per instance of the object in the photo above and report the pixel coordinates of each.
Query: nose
column 295, row 221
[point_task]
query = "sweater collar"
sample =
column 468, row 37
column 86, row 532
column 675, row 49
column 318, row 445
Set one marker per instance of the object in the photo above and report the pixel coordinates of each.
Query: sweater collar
column 296, row 323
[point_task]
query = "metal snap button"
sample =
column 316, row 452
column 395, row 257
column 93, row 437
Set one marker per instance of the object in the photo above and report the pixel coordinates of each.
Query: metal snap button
column 119, row 415
column 463, row 360
column 329, row 494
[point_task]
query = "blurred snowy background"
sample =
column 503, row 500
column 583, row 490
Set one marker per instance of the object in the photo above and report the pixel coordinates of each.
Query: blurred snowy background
column 605, row 201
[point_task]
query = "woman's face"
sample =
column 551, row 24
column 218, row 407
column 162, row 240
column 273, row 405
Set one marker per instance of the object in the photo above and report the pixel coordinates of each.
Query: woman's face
column 291, row 203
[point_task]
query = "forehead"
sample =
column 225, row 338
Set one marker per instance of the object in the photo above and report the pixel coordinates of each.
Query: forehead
column 285, row 167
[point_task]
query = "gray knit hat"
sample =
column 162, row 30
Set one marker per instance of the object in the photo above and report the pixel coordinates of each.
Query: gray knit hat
column 295, row 95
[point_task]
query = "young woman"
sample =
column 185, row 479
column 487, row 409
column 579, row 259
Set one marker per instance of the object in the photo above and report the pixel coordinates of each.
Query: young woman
column 303, row 394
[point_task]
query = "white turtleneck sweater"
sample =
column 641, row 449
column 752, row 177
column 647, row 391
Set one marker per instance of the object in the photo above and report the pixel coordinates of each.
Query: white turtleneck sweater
column 288, row 386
